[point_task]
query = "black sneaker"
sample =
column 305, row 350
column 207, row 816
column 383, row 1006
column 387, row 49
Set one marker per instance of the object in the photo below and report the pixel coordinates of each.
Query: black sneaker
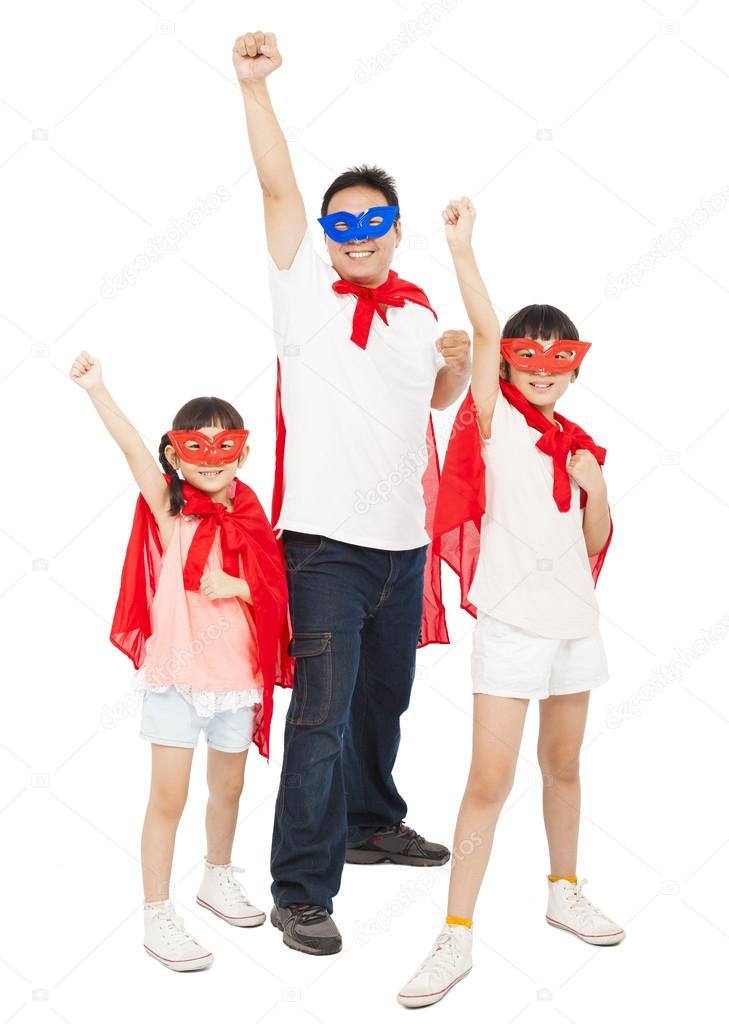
column 307, row 928
column 398, row 845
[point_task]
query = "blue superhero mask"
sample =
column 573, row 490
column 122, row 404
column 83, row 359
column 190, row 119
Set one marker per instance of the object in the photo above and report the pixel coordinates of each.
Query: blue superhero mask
column 372, row 223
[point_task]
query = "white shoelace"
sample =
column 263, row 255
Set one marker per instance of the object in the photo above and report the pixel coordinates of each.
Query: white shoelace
column 233, row 885
column 173, row 928
column 445, row 954
column 580, row 904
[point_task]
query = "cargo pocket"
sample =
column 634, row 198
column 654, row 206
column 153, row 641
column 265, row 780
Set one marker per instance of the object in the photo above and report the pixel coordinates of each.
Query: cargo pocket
column 312, row 694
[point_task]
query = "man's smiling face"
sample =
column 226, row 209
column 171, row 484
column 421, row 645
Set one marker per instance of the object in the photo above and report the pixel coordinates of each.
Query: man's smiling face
column 367, row 262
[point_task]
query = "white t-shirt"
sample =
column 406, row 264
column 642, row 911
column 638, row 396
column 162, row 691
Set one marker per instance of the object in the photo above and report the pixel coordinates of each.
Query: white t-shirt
column 533, row 569
column 356, row 419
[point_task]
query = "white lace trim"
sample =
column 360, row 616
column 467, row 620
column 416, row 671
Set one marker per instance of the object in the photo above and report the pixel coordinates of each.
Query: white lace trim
column 208, row 702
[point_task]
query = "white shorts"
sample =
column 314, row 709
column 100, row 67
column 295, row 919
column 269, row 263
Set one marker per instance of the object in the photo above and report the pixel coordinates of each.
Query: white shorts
column 171, row 721
column 508, row 661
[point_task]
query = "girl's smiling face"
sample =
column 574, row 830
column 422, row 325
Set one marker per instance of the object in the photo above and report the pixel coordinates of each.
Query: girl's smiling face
column 211, row 480
column 540, row 388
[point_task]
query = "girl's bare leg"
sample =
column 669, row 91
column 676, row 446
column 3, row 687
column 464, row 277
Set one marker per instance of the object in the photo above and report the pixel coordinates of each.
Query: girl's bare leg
column 498, row 724
column 167, row 797
column 225, row 785
column 561, row 731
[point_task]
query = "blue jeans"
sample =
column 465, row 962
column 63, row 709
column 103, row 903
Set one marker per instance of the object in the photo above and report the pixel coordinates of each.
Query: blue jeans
column 356, row 615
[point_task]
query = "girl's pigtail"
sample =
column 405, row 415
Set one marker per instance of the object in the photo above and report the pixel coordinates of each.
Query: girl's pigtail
column 176, row 499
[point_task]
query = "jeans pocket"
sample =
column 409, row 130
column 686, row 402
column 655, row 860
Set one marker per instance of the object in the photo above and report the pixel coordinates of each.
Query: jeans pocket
column 300, row 548
column 312, row 693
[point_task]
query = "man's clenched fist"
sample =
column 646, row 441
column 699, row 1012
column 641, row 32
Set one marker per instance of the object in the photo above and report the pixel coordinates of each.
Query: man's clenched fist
column 255, row 56
column 455, row 346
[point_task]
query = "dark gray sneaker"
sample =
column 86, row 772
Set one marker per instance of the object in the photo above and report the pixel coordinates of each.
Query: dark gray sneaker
column 398, row 845
column 307, row 928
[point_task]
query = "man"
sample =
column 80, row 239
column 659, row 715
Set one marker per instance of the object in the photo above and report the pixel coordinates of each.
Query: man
column 360, row 366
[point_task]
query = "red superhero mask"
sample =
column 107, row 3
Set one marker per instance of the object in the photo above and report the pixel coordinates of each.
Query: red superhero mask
column 560, row 356
column 194, row 446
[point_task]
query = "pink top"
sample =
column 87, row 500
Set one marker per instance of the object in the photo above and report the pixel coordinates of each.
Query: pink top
column 208, row 644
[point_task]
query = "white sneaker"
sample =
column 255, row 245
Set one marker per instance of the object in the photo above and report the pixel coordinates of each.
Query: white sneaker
column 166, row 940
column 226, row 897
column 448, row 962
column 568, row 908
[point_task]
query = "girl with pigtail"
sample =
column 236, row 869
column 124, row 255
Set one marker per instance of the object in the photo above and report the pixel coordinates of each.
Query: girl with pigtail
column 202, row 613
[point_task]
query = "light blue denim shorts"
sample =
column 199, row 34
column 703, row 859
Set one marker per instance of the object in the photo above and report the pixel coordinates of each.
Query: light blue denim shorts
column 171, row 721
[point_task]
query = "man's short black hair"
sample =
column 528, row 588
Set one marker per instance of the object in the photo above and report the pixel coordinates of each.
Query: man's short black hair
column 365, row 174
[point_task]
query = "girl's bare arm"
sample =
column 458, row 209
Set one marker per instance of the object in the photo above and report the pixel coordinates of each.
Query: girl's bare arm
column 86, row 372
column 459, row 217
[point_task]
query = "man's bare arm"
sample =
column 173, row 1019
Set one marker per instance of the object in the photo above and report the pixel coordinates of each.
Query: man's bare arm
column 255, row 56
column 452, row 379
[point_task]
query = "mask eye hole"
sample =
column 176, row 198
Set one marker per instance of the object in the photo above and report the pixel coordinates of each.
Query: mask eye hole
column 340, row 225
column 192, row 446
column 525, row 353
column 565, row 354
column 374, row 222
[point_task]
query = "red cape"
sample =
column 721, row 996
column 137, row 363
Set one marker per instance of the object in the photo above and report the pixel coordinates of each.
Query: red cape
column 462, row 502
column 433, row 629
column 260, row 565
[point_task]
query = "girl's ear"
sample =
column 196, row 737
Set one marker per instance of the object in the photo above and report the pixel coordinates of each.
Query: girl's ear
column 171, row 456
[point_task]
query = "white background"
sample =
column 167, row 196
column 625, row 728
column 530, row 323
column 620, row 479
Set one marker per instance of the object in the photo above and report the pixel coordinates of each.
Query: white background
column 583, row 131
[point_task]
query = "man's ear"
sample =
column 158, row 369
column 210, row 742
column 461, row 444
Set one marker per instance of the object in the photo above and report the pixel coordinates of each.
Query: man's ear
column 398, row 232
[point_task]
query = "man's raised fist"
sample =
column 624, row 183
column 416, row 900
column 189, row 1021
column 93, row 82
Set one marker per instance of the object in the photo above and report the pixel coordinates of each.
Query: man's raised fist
column 255, row 56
